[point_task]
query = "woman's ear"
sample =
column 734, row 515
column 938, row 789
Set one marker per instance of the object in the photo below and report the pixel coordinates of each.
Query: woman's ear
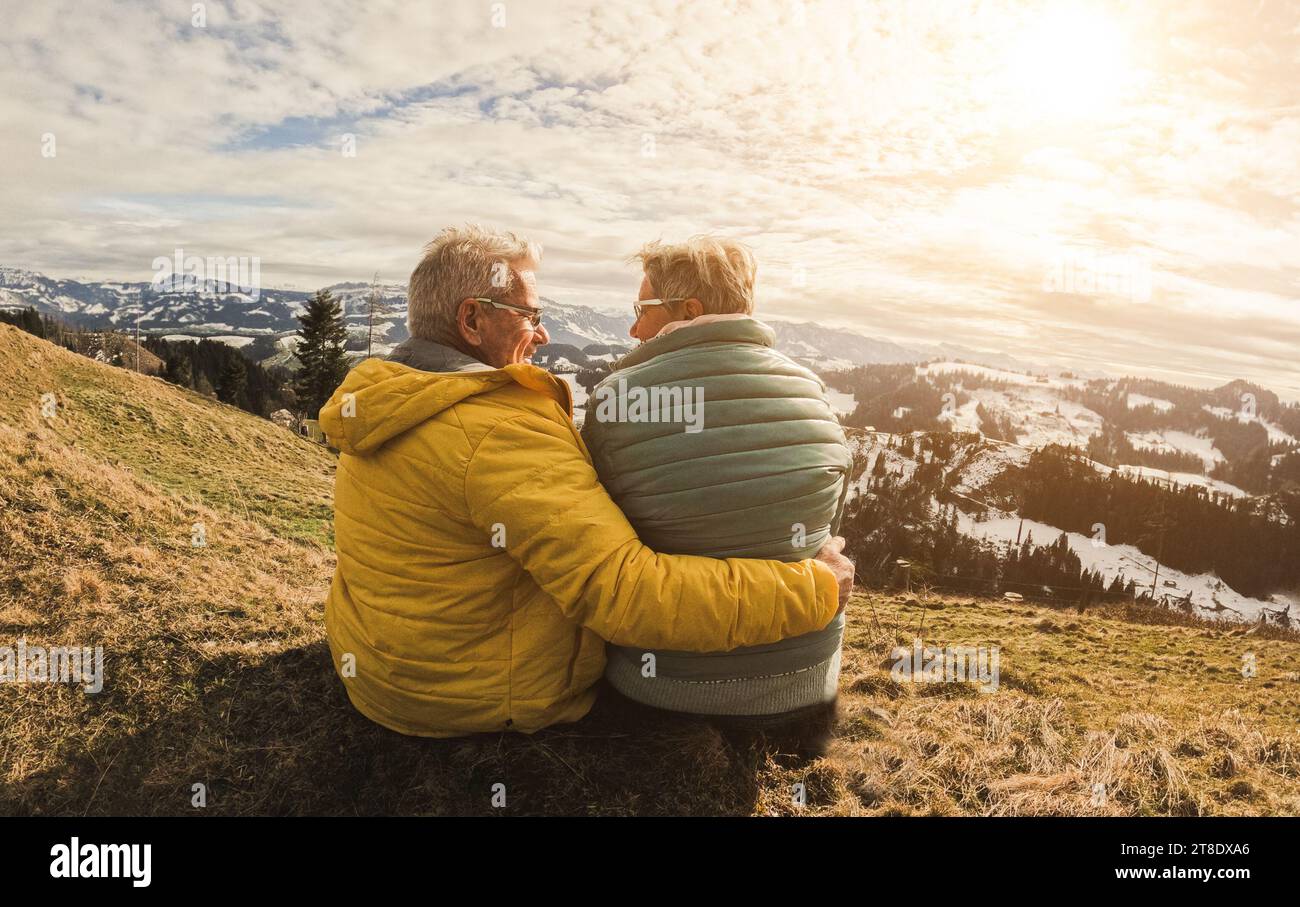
column 694, row 308
column 468, row 322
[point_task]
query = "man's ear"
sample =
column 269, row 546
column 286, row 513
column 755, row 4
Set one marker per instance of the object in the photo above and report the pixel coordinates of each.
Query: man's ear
column 694, row 308
column 469, row 322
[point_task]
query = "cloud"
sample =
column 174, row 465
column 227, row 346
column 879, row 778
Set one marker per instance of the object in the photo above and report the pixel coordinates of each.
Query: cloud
column 885, row 153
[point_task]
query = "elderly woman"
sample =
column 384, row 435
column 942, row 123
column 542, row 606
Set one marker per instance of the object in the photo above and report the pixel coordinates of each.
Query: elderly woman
column 760, row 472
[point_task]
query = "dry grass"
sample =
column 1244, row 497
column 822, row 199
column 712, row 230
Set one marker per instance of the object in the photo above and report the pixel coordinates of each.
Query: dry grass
column 176, row 440
column 217, row 671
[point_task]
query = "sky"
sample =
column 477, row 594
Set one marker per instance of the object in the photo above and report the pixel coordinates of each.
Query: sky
column 1102, row 186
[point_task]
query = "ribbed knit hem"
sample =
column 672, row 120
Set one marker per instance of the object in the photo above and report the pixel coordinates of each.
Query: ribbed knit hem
column 769, row 695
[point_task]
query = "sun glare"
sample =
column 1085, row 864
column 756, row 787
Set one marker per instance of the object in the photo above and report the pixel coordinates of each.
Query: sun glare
column 1069, row 63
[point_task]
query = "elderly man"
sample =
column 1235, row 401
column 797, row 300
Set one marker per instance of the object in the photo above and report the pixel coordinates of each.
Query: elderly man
column 481, row 565
column 759, row 468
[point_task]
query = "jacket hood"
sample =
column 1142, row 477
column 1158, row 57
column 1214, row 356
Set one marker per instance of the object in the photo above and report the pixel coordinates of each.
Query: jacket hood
column 379, row 400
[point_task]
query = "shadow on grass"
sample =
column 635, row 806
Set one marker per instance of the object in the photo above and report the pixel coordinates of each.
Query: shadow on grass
column 279, row 737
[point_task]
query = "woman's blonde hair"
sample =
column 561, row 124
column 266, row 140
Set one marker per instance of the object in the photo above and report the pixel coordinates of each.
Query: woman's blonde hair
column 718, row 272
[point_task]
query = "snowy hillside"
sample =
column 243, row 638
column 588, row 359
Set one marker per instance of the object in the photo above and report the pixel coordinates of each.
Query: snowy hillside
column 1210, row 596
column 1035, row 410
column 970, row 476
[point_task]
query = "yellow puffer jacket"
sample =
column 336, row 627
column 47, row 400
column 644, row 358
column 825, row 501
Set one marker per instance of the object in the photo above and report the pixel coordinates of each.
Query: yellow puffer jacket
column 481, row 565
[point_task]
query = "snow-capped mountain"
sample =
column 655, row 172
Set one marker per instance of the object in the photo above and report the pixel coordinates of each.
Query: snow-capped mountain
column 220, row 312
column 157, row 307
column 1174, row 435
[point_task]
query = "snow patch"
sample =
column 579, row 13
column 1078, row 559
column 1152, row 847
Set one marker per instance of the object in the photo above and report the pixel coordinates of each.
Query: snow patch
column 1210, row 595
column 842, row 404
column 1180, row 442
column 1135, row 400
column 999, row 374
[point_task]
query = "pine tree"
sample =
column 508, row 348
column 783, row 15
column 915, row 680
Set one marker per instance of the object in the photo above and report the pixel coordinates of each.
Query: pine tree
column 178, row 371
column 32, row 323
column 324, row 364
column 878, row 468
column 51, row 329
column 231, row 383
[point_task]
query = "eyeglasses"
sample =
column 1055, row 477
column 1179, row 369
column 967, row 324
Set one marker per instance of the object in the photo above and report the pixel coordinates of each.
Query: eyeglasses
column 640, row 306
column 534, row 315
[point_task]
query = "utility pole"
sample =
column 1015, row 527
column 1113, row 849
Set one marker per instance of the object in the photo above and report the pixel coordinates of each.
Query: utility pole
column 372, row 306
column 370, row 316
column 1160, row 551
column 137, row 343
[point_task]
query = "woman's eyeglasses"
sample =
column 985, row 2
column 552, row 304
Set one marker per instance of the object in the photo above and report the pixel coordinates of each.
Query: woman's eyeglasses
column 534, row 315
column 640, row 306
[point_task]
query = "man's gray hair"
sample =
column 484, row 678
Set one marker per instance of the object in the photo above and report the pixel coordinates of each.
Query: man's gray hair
column 718, row 272
column 464, row 262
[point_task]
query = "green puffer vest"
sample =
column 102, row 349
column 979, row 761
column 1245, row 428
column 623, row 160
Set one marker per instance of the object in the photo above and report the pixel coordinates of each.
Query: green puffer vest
column 758, row 467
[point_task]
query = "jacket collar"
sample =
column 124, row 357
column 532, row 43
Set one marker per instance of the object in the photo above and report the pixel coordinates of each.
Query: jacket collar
column 430, row 356
column 717, row 329
column 703, row 319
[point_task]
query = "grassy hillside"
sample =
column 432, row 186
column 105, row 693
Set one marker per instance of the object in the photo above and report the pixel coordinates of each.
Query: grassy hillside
column 217, row 671
column 179, row 442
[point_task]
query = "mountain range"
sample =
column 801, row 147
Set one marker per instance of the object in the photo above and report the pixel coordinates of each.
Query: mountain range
column 220, row 312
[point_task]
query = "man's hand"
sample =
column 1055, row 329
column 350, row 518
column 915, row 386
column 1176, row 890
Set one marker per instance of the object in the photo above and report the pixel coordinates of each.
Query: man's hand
column 840, row 565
